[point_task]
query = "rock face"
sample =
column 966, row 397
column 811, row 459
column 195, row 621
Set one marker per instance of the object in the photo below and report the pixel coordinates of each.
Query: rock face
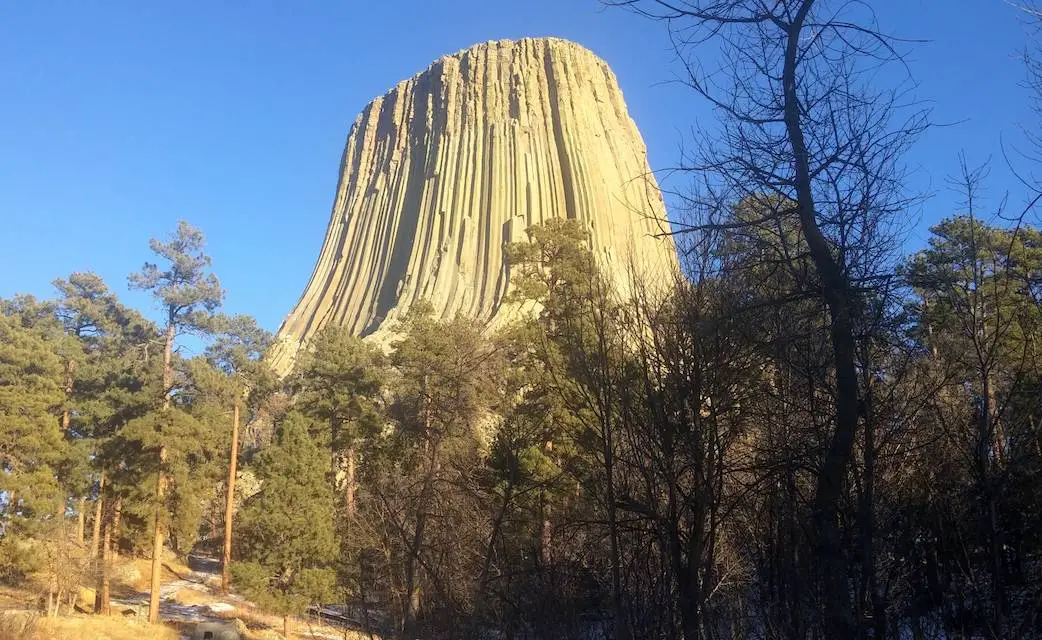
column 443, row 171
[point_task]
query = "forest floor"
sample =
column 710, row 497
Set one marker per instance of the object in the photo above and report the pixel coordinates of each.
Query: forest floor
column 190, row 596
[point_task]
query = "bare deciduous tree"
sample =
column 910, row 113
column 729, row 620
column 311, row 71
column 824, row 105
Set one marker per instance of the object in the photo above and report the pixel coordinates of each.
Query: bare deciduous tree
column 805, row 137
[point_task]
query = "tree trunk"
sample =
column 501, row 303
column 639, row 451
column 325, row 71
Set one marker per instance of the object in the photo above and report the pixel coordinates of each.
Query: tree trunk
column 99, row 505
column 113, row 544
column 157, row 543
column 229, row 500
column 351, row 483
column 497, row 526
column 987, row 446
column 412, row 568
column 285, row 627
column 70, row 371
column 101, row 595
column 546, row 530
column 869, row 583
column 70, row 606
column 157, row 536
column 412, row 560
column 832, row 571
column 81, row 520
column 168, row 356
column 620, row 626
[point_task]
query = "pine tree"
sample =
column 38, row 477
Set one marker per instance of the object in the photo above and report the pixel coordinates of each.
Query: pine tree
column 339, row 383
column 31, row 397
column 237, row 353
column 90, row 315
column 287, row 543
column 117, row 383
column 32, row 449
column 449, row 379
column 188, row 296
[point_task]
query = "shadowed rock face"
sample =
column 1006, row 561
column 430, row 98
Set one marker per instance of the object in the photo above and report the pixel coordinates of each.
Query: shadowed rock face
column 452, row 164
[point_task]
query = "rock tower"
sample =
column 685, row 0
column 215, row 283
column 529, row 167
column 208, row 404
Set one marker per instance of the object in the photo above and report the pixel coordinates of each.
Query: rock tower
column 443, row 171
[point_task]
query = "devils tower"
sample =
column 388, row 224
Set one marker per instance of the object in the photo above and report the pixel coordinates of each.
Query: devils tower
column 448, row 167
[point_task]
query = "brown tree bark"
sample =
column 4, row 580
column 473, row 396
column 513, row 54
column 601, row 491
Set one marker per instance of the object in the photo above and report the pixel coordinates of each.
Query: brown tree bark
column 412, row 563
column 157, row 543
column 81, row 520
column 99, row 506
column 101, row 594
column 113, row 545
column 70, row 372
column 351, row 484
column 157, row 536
column 229, row 500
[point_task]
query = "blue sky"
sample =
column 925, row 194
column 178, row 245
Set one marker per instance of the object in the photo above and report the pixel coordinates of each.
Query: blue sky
column 119, row 118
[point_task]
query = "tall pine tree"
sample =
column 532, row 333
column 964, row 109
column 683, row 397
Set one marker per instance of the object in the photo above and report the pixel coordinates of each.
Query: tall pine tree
column 189, row 296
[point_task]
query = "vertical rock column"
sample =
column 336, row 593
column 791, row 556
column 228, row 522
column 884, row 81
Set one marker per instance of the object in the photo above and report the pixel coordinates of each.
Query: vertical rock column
column 443, row 171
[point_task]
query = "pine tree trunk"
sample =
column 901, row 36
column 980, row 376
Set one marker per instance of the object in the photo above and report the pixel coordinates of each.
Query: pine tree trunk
column 229, row 500
column 101, row 594
column 157, row 536
column 81, row 520
column 412, row 578
column 493, row 538
column 546, row 530
column 412, row 560
column 70, row 371
column 157, row 543
column 99, row 505
column 113, row 544
column 352, row 487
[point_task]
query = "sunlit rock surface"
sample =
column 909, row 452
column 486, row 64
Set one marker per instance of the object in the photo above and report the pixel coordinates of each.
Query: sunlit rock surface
column 443, row 171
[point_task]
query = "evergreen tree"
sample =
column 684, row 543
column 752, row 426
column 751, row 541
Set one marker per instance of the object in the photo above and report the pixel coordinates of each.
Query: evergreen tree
column 31, row 443
column 339, row 382
column 188, row 296
column 287, row 545
column 980, row 321
column 449, row 381
column 237, row 353
column 91, row 315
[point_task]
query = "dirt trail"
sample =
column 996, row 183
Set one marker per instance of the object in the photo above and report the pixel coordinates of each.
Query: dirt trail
column 199, row 578
column 203, row 578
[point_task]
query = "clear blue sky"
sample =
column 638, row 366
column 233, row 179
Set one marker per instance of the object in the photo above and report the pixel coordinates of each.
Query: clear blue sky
column 118, row 118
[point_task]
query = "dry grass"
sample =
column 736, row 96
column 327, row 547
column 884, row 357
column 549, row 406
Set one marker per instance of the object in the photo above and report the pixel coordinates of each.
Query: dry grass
column 192, row 596
column 29, row 626
column 172, row 570
column 13, row 598
column 261, row 625
column 18, row 622
column 17, row 625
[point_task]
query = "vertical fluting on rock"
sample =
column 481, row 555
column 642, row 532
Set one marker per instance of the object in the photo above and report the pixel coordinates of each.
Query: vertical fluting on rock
column 443, row 171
